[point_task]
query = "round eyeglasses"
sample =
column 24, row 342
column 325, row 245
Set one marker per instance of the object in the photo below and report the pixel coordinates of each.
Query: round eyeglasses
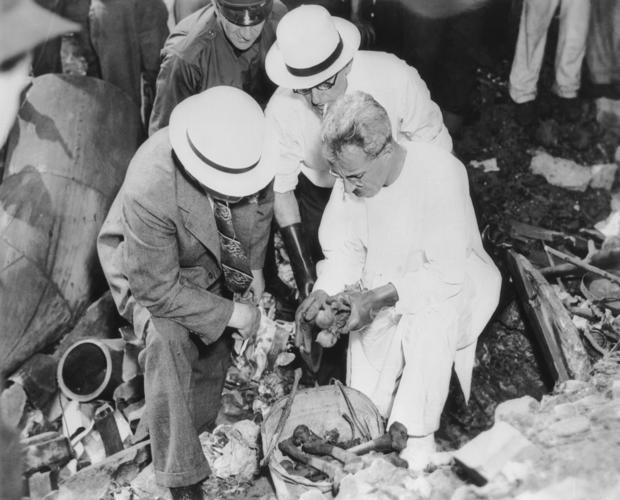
column 326, row 85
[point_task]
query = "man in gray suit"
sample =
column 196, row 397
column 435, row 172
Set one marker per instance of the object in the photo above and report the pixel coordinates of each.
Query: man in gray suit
column 183, row 249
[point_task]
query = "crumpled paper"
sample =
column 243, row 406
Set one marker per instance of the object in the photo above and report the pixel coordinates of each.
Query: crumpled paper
column 232, row 450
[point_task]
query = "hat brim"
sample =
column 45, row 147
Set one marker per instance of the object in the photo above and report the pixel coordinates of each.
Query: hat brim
column 28, row 25
column 280, row 75
column 236, row 185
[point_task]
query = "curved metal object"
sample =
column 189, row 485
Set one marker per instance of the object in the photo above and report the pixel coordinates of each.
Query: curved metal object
column 66, row 159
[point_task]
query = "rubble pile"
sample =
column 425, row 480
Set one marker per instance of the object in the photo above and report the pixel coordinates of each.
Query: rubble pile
column 565, row 446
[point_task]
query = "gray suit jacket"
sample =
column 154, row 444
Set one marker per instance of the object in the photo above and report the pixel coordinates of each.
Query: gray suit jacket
column 159, row 246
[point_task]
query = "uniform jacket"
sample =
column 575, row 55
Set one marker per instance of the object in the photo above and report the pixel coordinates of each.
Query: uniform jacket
column 197, row 56
column 159, row 246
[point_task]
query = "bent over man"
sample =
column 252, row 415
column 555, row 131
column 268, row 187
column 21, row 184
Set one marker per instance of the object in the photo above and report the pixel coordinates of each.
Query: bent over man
column 184, row 238
column 314, row 61
column 400, row 234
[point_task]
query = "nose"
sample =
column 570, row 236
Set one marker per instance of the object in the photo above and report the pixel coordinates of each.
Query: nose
column 349, row 186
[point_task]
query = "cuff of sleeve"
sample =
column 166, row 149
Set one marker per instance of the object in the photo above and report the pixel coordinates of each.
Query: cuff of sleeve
column 326, row 282
column 213, row 331
column 285, row 182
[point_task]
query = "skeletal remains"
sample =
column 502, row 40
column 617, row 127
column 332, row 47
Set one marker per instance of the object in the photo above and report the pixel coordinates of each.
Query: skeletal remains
column 305, row 447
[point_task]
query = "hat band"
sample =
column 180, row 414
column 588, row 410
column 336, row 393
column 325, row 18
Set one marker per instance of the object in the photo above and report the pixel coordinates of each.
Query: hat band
column 217, row 166
column 317, row 68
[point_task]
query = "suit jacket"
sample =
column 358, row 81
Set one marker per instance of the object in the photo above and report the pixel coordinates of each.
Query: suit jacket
column 159, row 246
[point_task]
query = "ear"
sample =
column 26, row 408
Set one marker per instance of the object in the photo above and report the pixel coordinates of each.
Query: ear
column 347, row 69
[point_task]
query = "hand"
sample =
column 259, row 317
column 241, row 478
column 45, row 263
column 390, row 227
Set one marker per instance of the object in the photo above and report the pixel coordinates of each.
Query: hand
column 361, row 309
column 257, row 287
column 310, row 307
column 246, row 319
column 366, row 304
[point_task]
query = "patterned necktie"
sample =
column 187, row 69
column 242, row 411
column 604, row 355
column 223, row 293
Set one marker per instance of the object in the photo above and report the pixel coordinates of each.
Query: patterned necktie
column 235, row 264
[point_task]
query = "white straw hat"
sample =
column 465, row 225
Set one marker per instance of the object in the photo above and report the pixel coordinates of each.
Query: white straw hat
column 311, row 46
column 218, row 137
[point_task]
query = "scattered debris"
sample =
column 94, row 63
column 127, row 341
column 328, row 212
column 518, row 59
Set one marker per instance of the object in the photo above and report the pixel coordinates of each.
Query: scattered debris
column 232, row 450
column 570, row 175
column 486, row 166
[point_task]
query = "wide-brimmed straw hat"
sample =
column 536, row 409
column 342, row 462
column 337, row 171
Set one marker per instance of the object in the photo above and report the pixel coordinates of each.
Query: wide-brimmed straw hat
column 311, row 46
column 24, row 25
column 218, row 137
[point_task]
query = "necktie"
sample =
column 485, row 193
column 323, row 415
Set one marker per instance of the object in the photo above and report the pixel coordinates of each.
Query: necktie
column 235, row 264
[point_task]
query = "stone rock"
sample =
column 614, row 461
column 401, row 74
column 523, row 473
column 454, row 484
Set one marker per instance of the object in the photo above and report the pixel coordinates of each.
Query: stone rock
column 569, row 488
column 603, row 176
column 487, row 454
column 564, row 410
column 561, row 172
column 516, row 407
column 608, row 113
column 570, row 426
column 615, row 389
column 572, row 386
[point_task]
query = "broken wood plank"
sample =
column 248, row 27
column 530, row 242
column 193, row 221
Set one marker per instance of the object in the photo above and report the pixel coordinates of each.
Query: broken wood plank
column 584, row 265
column 44, row 451
column 558, row 337
column 523, row 232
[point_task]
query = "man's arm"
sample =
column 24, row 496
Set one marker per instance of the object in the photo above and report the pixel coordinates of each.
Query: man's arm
column 286, row 209
column 152, row 266
column 421, row 118
column 176, row 81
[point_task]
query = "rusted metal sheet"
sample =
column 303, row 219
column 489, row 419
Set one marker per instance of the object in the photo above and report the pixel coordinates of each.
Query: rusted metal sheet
column 66, row 159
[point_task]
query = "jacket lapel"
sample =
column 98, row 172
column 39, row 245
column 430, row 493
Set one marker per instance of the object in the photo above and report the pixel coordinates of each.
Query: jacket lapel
column 197, row 214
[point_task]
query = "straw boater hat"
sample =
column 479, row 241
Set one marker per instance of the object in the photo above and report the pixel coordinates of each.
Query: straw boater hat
column 24, row 25
column 311, row 46
column 218, row 137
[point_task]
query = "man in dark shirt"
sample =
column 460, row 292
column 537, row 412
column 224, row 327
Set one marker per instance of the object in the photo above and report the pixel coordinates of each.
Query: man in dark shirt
column 221, row 44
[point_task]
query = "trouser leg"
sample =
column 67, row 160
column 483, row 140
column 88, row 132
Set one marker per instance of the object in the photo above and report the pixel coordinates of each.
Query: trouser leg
column 183, row 381
column 429, row 341
column 574, row 23
column 151, row 19
column 114, row 38
column 535, row 19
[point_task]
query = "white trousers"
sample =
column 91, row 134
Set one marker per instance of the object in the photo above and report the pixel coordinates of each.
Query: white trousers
column 603, row 53
column 535, row 19
column 404, row 363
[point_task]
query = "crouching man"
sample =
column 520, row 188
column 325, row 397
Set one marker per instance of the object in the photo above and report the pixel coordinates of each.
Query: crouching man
column 403, row 252
column 186, row 234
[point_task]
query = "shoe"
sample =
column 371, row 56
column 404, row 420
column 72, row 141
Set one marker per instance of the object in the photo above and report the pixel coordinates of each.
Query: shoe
column 192, row 492
column 419, row 452
column 526, row 114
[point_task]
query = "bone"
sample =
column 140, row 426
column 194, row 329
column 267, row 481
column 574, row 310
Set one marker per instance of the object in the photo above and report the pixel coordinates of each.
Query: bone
column 395, row 439
column 332, row 470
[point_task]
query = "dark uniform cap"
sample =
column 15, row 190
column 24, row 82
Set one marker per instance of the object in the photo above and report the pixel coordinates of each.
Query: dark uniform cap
column 24, row 25
column 245, row 12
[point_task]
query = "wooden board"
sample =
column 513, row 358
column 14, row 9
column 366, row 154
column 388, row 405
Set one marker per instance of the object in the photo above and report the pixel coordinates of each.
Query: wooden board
column 558, row 337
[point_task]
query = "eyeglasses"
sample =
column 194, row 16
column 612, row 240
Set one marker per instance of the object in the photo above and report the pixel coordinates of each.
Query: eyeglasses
column 353, row 178
column 326, row 85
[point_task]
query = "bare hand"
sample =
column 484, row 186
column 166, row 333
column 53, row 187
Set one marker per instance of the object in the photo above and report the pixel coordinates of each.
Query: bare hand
column 246, row 319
